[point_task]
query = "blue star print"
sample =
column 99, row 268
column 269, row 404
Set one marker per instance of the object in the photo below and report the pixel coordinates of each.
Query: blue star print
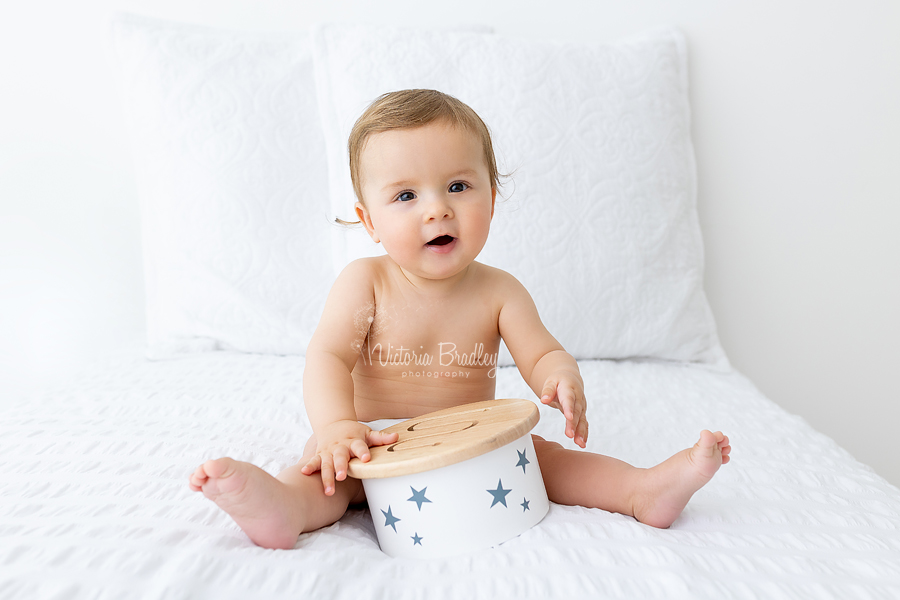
column 418, row 496
column 522, row 460
column 499, row 494
column 524, row 505
column 416, row 539
column 390, row 519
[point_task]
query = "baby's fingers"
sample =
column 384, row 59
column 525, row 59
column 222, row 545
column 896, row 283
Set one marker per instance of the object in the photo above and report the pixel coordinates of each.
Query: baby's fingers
column 312, row 465
column 341, row 458
column 548, row 394
column 380, row 438
column 579, row 408
column 359, row 449
column 570, row 408
column 581, row 433
column 327, row 467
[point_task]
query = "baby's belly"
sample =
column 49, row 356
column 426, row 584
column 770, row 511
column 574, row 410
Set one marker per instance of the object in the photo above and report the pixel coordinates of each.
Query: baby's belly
column 403, row 392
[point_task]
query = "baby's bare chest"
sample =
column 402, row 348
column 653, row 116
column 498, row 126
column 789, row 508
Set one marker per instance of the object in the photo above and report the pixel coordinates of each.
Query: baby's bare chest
column 419, row 356
column 442, row 336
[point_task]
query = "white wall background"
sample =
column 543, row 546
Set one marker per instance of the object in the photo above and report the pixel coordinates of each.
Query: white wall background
column 796, row 127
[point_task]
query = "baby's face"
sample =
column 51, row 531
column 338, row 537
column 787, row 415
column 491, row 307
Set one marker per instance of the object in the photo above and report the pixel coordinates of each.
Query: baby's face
column 428, row 197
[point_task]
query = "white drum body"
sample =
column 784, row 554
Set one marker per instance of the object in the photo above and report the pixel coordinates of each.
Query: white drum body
column 469, row 505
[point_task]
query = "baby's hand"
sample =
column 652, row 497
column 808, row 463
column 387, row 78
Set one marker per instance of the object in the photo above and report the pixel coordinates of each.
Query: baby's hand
column 338, row 443
column 564, row 391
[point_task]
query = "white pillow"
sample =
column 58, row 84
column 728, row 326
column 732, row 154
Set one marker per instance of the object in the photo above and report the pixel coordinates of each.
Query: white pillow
column 229, row 160
column 601, row 225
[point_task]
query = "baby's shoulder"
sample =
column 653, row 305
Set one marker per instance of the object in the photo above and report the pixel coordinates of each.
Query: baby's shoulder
column 361, row 277
column 498, row 280
column 364, row 268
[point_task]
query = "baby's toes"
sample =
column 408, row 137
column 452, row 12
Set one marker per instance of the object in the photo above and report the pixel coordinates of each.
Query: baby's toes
column 726, row 451
column 217, row 468
column 197, row 479
column 210, row 476
column 708, row 440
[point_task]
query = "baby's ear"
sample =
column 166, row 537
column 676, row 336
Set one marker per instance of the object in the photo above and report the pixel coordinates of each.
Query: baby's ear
column 366, row 220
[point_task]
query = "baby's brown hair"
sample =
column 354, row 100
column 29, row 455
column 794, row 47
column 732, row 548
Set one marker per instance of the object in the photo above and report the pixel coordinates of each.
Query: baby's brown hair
column 407, row 109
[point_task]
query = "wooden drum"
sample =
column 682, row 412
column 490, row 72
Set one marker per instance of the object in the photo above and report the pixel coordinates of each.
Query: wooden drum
column 457, row 480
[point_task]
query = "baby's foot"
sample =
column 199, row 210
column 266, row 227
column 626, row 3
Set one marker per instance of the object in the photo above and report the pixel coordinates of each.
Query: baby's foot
column 670, row 484
column 253, row 498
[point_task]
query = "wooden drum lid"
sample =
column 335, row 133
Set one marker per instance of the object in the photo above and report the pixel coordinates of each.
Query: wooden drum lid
column 457, row 480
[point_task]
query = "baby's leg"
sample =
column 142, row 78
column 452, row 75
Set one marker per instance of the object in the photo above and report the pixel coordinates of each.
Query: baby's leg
column 274, row 511
column 654, row 496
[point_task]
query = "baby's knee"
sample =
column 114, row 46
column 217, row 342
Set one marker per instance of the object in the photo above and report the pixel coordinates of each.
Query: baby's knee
column 541, row 445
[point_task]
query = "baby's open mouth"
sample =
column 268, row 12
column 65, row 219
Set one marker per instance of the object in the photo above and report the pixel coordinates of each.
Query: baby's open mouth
column 441, row 240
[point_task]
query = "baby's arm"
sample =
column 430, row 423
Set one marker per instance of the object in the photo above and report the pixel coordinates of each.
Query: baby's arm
column 327, row 381
column 548, row 369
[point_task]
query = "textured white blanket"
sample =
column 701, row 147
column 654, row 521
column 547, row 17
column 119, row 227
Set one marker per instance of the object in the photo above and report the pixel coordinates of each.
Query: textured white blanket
column 94, row 501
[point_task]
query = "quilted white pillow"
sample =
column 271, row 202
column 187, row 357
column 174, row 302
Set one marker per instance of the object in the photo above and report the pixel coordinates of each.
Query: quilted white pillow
column 229, row 159
column 601, row 223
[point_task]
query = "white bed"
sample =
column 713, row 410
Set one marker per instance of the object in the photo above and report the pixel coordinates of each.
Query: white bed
column 94, row 500
column 238, row 148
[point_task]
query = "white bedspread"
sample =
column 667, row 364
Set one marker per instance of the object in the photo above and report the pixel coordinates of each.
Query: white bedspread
column 94, row 501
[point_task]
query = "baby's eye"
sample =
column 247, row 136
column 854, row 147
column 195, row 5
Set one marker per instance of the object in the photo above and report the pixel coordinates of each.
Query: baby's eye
column 406, row 196
column 459, row 186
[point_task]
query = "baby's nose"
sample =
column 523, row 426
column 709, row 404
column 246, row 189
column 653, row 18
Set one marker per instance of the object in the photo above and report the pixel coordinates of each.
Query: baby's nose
column 437, row 208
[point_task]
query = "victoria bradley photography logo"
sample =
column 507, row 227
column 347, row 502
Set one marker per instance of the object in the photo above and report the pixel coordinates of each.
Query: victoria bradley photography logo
column 419, row 361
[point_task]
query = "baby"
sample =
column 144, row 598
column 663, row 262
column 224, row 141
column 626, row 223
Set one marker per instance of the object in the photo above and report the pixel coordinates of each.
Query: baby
column 424, row 172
